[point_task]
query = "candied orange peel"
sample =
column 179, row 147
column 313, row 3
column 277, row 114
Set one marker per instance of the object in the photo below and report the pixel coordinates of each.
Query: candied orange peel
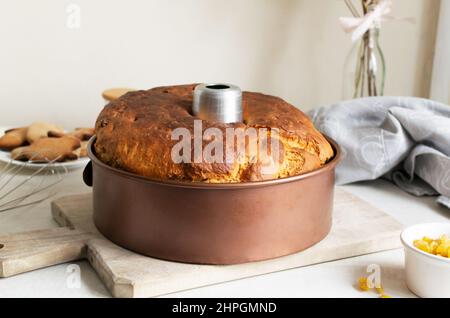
column 438, row 247
column 362, row 282
column 364, row 286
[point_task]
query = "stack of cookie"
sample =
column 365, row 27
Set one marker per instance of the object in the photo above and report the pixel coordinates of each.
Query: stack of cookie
column 44, row 142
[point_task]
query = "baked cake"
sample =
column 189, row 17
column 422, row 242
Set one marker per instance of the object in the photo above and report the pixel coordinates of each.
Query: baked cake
column 134, row 133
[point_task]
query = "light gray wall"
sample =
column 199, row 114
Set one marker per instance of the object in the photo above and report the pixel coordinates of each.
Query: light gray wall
column 291, row 48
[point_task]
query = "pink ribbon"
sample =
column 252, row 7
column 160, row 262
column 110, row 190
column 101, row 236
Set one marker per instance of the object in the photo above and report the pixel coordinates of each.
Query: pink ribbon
column 360, row 25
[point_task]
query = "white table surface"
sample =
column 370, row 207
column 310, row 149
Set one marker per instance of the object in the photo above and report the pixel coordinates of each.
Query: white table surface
column 332, row 279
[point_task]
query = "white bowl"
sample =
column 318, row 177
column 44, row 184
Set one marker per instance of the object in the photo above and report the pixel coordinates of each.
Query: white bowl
column 427, row 275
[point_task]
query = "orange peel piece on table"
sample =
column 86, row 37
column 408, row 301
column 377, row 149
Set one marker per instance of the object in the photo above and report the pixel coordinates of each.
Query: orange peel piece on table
column 364, row 286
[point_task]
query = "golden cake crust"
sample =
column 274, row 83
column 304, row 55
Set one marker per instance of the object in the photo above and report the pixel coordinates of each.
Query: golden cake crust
column 134, row 134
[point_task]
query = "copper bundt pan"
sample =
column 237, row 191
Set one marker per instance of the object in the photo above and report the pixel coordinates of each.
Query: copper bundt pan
column 212, row 223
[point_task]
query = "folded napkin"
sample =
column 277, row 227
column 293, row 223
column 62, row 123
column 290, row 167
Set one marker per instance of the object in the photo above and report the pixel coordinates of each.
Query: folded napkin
column 403, row 139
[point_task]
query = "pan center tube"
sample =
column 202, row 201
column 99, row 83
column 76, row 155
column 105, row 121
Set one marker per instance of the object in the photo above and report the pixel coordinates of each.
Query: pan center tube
column 217, row 102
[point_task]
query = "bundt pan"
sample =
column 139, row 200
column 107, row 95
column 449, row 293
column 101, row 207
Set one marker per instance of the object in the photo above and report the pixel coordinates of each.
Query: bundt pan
column 210, row 223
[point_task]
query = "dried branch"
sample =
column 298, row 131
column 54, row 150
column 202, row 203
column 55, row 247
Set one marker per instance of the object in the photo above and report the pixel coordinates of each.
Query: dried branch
column 352, row 8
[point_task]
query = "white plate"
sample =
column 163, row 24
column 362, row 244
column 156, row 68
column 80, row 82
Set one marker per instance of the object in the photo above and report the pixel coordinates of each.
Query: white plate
column 5, row 157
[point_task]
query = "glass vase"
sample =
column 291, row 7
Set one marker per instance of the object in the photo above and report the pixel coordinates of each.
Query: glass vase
column 365, row 69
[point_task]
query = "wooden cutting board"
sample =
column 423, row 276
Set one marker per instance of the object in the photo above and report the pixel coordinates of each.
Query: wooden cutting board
column 358, row 228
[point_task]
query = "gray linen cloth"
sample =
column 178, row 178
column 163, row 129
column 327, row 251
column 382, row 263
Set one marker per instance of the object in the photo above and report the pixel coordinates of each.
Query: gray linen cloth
column 403, row 139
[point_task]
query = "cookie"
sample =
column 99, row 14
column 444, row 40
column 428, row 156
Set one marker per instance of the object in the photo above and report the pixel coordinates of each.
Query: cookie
column 48, row 149
column 79, row 133
column 14, row 138
column 114, row 93
column 39, row 130
column 82, row 151
column 83, row 133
